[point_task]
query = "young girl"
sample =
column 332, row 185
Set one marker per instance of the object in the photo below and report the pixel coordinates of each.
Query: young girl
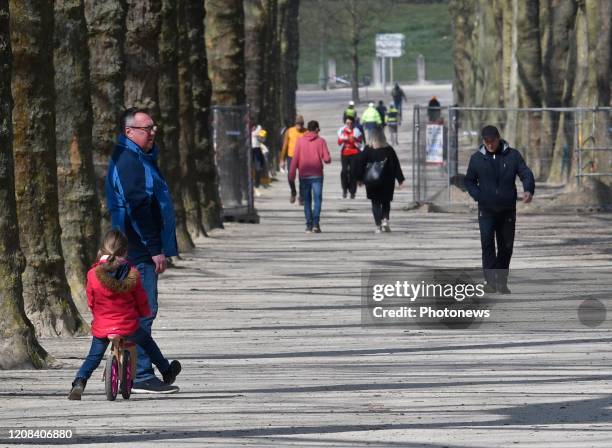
column 117, row 301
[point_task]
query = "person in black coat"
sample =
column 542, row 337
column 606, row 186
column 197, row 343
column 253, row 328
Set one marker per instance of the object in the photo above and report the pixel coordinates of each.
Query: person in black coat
column 490, row 180
column 381, row 193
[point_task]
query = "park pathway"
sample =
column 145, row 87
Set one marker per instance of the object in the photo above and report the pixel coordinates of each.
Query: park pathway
column 266, row 321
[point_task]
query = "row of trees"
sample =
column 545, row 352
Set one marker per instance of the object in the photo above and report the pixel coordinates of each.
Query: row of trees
column 533, row 54
column 60, row 100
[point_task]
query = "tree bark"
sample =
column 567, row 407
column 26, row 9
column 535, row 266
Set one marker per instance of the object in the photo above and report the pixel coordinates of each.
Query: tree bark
column 106, row 39
column 169, row 107
column 207, row 178
column 255, row 22
column 79, row 210
column 225, row 50
column 190, row 194
column 355, row 38
column 47, row 298
column 290, row 57
column 19, row 348
column 143, row 25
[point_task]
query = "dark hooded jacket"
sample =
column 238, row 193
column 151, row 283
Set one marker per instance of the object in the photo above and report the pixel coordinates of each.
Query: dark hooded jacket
column 490, row 178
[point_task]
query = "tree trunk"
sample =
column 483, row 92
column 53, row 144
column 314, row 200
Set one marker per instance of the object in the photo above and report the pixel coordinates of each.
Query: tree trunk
column 225, row 50
column 19, row 348
column 169, row 107
column 190, row 194
column 272, row 96
column 106, row 39
column 207, row 179
column 255, row 21
column 143, row 25
column 47, row 298
column 353, row 12
column 79, row 210
column 290, row 57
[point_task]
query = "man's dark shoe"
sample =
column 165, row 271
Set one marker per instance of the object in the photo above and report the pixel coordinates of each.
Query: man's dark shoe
column 172, row 372
column 344, row 195
column 153, row 386
column 78, row 386
column 301, row 201
column 352, row 195
column 503, row 289
column 489, row 288
column 308, row 230
column 292, row 198
column 316, row 229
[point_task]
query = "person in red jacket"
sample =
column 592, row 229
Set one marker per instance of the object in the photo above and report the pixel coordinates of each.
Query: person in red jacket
column 350, row 140
column 310, row 154
column 117, row 301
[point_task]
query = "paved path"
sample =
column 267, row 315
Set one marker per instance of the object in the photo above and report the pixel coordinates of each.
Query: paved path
column 266, row 321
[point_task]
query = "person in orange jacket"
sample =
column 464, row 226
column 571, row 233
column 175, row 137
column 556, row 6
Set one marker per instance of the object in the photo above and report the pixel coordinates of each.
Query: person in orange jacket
column 291, row 137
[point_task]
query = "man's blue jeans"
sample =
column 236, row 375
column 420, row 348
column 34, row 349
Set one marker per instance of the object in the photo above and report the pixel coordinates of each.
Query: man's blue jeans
column 312, row 187
column 148, row 277
column 140, row 337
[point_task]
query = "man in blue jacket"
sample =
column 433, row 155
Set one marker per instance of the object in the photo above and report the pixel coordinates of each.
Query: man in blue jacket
column 140, row 206
column 490, row 180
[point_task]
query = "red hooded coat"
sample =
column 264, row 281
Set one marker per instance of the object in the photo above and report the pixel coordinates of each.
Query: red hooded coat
column 116, row 305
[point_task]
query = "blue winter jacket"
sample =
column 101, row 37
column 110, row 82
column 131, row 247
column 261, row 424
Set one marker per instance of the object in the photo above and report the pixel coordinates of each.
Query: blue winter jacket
column 139, row 202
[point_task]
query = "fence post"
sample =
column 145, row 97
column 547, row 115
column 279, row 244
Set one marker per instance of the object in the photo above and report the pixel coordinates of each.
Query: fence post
column 416, row 165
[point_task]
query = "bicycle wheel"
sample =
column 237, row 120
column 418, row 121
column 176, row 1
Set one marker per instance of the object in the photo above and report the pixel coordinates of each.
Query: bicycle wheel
column 111, row 377
column 127, row 379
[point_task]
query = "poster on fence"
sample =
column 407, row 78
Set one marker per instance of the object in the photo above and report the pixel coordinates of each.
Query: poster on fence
column 434, row 140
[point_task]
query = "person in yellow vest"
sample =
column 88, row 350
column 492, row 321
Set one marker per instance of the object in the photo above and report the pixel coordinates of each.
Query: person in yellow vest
column 370, row 119
column 291, row 137
column 392, row 120
column 350, row 112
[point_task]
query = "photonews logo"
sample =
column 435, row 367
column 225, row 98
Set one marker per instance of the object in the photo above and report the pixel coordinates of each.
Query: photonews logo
column 508, row 301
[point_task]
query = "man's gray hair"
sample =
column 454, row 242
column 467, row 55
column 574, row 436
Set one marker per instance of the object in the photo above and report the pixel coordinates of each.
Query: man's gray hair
column 127, row 117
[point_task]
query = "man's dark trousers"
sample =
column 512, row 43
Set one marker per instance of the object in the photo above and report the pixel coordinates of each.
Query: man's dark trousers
column 496, row 227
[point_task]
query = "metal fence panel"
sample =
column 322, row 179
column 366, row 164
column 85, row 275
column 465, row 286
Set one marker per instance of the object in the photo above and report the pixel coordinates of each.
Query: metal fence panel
column 562, row 146
column 231, row 140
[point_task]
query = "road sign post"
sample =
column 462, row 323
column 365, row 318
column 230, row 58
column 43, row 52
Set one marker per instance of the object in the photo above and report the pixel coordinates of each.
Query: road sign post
column 389, row 45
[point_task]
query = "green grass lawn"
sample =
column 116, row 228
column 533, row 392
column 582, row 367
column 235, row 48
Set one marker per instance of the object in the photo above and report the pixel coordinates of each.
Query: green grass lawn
column 427, row 28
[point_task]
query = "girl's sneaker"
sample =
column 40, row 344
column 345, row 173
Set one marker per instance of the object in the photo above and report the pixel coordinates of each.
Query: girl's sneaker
column 378, row 230
column 172, row 372
column 78, row 386
column 385, row 226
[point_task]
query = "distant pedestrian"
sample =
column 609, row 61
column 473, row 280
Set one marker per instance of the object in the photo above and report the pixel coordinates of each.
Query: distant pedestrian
column 382, row 111
column 349, row 112
column 380, row 192
column 398, row 97
column 370, row 119
column 310, row 153
column 490, row 180
column 291, row 137
column 350, row 141
column 259, row 163
column 434, row 113
column 117, row 301
column 392, row 120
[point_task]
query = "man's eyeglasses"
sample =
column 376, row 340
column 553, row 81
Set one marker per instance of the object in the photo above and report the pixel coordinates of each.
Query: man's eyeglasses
column 147, row 129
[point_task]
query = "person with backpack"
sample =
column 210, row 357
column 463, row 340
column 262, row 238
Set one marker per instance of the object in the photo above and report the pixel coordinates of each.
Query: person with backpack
column 378, row 169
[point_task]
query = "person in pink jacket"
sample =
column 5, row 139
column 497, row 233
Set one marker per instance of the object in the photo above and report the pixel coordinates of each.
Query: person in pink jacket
column 310, row 154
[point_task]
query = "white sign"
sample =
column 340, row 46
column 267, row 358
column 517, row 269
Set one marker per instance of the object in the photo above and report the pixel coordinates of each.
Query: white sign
column 390, row 45
column 434, row 144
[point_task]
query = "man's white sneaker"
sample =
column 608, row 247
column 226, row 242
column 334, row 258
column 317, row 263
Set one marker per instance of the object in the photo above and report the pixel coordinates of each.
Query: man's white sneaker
column 378, row 230
column 385, row 226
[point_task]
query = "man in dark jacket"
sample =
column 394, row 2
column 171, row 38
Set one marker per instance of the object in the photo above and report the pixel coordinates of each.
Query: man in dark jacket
column 490, row 180
column 141, row 207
